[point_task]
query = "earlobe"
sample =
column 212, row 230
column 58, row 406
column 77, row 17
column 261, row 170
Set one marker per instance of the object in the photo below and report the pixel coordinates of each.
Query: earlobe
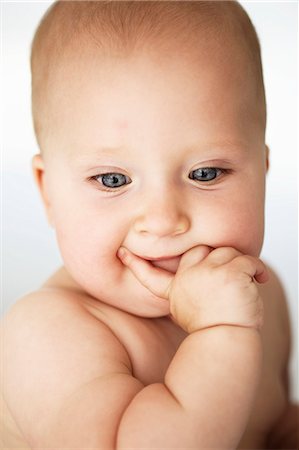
column 267, row 158
column 38, row 168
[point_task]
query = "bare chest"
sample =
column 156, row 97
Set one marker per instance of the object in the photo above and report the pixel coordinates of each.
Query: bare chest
column 152, row 344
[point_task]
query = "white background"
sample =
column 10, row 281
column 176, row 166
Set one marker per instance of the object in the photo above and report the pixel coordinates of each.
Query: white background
column 30, row 253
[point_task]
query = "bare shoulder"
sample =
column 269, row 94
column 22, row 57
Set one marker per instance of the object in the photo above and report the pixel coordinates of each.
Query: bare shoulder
column 56, row 354
column 275, row 289
column 284, row 433
column 277, row 331
column 275, row 298
column 58, row 319
column 272, row 395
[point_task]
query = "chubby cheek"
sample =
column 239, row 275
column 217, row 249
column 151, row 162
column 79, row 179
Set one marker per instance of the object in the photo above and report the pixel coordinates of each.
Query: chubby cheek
column 88, row 243
column 245, row 233
column 238, row 224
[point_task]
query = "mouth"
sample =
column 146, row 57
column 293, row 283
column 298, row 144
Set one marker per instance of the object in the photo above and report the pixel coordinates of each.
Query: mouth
column 170, row 264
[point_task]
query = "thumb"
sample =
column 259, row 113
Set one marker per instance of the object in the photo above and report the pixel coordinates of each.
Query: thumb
column 156, row 280
column 193, row 256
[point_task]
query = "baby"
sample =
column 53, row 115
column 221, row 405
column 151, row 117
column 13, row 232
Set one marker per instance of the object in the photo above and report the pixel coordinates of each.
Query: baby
column 163, row 329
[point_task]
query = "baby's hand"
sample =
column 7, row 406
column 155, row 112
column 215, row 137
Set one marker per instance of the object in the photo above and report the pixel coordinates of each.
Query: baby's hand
column 210, row 288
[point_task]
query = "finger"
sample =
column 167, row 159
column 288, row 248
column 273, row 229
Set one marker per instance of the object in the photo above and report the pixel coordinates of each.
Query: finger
column 261, row 275
column 253, row 267
column 223, row 255
column 157, row 280
column 193, row 256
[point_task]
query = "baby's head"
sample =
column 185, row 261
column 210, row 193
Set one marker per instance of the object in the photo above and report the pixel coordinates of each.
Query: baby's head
column 73, row 32
column 150, row 117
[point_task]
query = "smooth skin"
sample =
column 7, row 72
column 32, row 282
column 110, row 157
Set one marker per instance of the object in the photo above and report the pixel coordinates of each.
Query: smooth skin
column 94, row 359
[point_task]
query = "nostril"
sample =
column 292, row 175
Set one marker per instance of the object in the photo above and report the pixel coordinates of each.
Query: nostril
column 182, row 229
column 162, row 226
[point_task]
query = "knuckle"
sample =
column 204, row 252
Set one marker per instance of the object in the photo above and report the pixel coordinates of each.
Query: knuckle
column 243, row 259
column 244, row 263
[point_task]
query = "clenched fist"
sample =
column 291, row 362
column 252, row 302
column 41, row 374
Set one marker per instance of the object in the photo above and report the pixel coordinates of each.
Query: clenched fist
column 210, row 287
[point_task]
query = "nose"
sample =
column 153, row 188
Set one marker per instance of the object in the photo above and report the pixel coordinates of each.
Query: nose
column 162, row 215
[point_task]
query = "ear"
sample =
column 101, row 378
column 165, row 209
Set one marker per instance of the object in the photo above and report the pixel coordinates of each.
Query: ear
column 267, row 158
column 38, row 168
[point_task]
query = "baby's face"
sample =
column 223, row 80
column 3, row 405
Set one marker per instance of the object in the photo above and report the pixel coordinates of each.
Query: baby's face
column 182, row 143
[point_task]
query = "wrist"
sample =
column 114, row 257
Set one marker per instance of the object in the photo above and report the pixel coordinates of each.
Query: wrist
column 235, row 342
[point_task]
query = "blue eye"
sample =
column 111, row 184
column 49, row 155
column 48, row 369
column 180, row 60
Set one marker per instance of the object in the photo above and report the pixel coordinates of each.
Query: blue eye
column 205, row 174
column 113, row 180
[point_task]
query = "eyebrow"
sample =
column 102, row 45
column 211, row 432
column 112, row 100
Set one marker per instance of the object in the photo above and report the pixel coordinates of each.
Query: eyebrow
column 99, row 151
column 196, row 147
column 218, row 145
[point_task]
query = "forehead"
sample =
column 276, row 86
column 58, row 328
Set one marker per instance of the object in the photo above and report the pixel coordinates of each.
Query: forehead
column 173, row 93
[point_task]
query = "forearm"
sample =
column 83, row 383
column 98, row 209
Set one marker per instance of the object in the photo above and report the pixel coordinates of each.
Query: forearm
column 207, row 396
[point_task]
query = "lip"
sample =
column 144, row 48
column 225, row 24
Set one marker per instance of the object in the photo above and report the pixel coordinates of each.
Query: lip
column 161, row 258
column 166, row 262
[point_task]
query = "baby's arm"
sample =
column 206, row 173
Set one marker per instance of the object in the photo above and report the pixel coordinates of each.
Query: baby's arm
column 69, row 381
column 67, row 378
column 211, row 383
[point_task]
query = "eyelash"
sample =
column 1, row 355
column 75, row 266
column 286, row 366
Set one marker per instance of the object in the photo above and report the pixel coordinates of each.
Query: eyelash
column 115, row 189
